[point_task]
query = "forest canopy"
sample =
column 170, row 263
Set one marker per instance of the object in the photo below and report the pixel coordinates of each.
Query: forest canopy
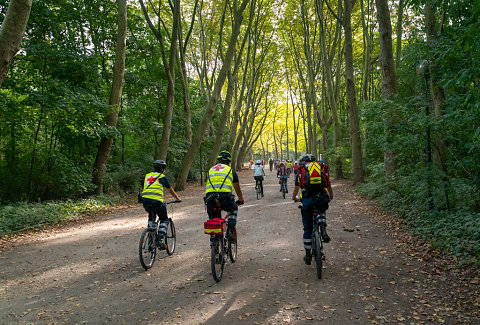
column 386, row 91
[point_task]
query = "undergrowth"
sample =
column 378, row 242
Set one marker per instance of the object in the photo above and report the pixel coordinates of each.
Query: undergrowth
column 456, row 231
column 19, row 216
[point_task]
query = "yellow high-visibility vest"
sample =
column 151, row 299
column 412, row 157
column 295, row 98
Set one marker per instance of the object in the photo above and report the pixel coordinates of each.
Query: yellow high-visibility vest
column 218, row 175
column 152, row 189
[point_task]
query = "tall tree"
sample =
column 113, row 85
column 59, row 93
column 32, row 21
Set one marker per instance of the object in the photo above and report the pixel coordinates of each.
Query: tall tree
column 389, row 80
column 212, row 103
column 11, row 33
column 168, row 64
column 103, row 153
column 357, row 163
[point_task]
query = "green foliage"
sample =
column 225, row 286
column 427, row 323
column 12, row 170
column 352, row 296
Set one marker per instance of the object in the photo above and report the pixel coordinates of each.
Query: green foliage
column 19, row 216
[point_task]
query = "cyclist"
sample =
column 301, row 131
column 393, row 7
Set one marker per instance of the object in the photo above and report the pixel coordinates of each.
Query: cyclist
column 270, row 162
column 295, row 168
column 289, row 167
column 282, row 174
column 258, row 173
column 218, row 194
column 152, row 197
column 310, row 197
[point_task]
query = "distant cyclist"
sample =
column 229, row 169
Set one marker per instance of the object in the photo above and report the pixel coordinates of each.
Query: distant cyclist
column 282, row 174
column 258, row 173
column 271, row 164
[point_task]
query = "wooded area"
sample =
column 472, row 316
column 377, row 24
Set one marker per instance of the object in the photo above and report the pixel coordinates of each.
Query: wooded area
column 386, row 91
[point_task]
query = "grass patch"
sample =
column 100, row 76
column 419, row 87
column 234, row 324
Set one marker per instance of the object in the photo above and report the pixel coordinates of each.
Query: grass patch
column 19, row 216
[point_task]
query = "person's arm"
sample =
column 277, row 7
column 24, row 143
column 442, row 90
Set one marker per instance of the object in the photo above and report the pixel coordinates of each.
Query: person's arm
column 238, row 190
column 295, row 192
column 174, row 194
column 330, row 191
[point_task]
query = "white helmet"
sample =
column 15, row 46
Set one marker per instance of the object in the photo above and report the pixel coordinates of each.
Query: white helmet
column 258, row 162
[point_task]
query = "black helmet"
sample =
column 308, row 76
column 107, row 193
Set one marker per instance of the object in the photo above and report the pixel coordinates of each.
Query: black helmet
column 224, row 156
column 308, row 158
column 159, row 164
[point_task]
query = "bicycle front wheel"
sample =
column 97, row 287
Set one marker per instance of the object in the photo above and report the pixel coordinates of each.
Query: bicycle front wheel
column 217, row 259
column 259, row 194
column 318, row 253
column 283, row 190
column 170, row 238
column 147, row 249
column 232, row 247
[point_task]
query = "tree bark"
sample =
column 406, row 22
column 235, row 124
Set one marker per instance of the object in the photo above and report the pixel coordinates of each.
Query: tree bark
column 389, row 80
column 398, row 52
column 357, row 164
column 103, row 153
column 11, row 33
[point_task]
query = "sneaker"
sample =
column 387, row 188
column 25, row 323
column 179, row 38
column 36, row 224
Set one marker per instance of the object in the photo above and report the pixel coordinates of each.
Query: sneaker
column 325, row 237
column 308, row 259
column 160, row 240
column 230, row 233
column 152, row 225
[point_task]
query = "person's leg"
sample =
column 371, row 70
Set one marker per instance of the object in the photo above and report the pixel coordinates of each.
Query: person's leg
column 161, row 212
column 322, row 217
column 307, row 214
column 229, row 205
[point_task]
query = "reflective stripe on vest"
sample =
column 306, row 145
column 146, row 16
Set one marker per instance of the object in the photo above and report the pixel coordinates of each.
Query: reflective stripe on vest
column 155, row 190
column 218, row 175
column 315, row 172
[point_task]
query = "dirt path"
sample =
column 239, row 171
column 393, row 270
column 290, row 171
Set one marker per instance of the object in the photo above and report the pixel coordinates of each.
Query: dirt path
column 90, row 273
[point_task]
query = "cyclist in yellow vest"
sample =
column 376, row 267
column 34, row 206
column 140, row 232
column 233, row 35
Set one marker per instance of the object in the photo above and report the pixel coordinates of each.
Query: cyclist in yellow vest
column 153, row 196
column 289, row 167
column 221, row 181
column 310, row 197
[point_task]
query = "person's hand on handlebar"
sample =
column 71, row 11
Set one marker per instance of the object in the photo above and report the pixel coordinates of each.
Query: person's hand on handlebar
column 240, row 202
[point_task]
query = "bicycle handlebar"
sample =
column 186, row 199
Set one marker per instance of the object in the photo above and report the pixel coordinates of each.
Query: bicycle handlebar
column 174, row 201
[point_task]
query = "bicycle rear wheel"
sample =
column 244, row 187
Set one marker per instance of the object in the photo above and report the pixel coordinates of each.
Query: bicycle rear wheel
column 232, row 247
column 147, row 249
column 259, row 194
column 170, row 238
column 283, row 189
column 217, row 259
column 318, row 253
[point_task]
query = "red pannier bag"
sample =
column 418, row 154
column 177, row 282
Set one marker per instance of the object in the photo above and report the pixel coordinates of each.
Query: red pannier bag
column 215, row 226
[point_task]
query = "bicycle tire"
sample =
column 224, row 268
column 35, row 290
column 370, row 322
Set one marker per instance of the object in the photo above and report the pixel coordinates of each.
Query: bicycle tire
column 283, row 189
column 147, row 249
column 232, row 247
column 170, row 238
column 318, row 254
column 257, row 188
column 217, row 258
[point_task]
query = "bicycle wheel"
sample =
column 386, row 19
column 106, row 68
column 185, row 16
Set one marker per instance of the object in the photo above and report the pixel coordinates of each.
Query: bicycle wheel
column 318, row 253
column 257, row 188
column 147, row 249
column 170, row 238
column 232, row 247
column 283, row 189
column 217, row 259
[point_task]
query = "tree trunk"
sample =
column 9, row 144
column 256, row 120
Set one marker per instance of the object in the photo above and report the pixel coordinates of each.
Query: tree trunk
column 398, row 52
column 11, row 33
column 223, row 121
column 212, row 103
column 103, row 153
column 389, row 80
column 357, row 164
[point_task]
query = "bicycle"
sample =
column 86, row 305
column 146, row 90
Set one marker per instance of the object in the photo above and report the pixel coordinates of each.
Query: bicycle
column 317, row 244
column 220, row 244
column 283, row 185
column 148, row 245
column 258, row 189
